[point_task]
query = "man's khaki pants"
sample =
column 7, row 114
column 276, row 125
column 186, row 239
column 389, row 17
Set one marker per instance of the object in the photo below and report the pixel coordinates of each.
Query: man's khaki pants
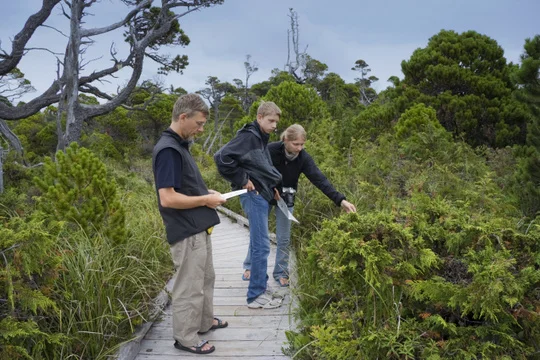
column 193, row 289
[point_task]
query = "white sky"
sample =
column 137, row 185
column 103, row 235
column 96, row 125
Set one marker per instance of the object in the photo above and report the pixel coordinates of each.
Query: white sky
column 337, row 33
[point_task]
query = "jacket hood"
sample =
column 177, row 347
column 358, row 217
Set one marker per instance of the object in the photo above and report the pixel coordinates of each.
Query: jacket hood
column 254, row 127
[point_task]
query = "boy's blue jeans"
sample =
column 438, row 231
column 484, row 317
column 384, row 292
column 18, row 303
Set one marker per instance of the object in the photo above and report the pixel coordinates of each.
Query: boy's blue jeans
column 283, row 236
column 256, row 209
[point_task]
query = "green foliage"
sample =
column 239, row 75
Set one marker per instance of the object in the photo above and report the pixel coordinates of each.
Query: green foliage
column 299, row 104
column 382, row 279
column 114, row 135
column 372, row 122
column 102, row 145
column 527, row 75
column 230, row 112
column 527, row 181
column 76, row 189
column 337, row 94
column 56, row 304
column 313, row 71
column 403, row 278
column 37, row 134
column 262, row 88
column 421, row 135
column 146, row 21
column 14, row 85
column 527, row 176
column 30, row 266
column 95, row 317
column 465, row 78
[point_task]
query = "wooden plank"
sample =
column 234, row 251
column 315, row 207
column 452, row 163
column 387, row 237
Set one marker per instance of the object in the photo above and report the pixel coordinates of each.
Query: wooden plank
column 215, row 355
column 281, row 322
column 223, row 348
column 252, row 333
column 227, row 334
column 238, row 277
column 243, row 310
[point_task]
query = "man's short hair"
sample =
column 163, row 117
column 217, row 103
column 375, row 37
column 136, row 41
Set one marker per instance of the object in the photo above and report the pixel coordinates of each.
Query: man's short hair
column 268, row 108
column 189, row 104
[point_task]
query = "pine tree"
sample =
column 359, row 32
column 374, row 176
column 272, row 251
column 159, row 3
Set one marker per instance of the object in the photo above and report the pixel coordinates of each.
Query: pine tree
column 528, row 172
column 466, row 79
column 76, row 189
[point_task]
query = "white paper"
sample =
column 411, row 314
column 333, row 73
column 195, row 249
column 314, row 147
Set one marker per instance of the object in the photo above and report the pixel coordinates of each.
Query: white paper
column 233, row 193
column 285, row 209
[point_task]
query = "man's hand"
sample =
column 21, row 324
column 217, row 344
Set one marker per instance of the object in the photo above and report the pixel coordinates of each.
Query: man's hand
column 214, row 199
column 249, row 186
column 347, row 206
column 276, row 194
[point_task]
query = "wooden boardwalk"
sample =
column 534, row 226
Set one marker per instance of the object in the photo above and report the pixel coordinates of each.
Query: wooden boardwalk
column 252, row 333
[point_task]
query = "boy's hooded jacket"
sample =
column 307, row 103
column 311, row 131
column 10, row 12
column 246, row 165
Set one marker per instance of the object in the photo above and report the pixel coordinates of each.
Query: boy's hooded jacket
column 246, row 157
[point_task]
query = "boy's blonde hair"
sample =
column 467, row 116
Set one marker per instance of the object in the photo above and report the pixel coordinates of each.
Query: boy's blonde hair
column 189, row 104
column 293, row 132
column 268, row 108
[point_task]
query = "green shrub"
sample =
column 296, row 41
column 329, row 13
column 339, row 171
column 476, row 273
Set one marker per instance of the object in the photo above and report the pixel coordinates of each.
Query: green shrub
column 30, row 265
column 435, row 286
column 73, row 291
column 76, row 189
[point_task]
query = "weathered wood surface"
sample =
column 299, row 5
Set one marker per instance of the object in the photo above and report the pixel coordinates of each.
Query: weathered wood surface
column 252, row 333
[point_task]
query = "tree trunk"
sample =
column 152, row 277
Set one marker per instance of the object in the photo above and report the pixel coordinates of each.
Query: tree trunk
column 1, row 171
column 13, row 140
column 71, row 71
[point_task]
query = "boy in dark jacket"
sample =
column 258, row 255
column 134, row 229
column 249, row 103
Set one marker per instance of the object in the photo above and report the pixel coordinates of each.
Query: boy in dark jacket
column 291, row 160
column 246, row 163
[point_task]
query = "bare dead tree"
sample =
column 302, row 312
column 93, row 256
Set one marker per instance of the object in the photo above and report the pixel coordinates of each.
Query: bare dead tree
column 251, row 68
column 297, row 63
column 10, row 61
column 216, row 135
column 214, row 94
column 59, row 131
column 12, row 141
column 148, row 28
column 11, row 138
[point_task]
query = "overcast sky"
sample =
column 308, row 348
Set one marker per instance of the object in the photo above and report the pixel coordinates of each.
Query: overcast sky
column 337, row 33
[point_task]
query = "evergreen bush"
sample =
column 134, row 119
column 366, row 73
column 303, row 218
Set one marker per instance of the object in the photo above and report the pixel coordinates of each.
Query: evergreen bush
column 76, row 189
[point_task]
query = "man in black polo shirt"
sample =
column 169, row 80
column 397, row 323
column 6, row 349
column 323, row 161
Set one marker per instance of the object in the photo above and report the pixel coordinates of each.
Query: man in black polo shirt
column 188, row 211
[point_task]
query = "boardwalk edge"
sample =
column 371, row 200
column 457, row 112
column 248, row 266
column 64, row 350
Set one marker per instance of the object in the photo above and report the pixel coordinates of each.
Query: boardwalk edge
column 130, row 349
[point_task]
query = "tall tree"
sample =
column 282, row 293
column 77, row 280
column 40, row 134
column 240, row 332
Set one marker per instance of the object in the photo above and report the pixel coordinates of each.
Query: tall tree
column 148, row 28
column 251, row 68
column 296, row 58
column 528, row 172
column 368, row 94
column 466, row 79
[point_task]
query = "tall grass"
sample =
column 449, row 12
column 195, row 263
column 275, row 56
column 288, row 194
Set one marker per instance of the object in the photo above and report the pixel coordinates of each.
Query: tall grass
column 106, row 288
